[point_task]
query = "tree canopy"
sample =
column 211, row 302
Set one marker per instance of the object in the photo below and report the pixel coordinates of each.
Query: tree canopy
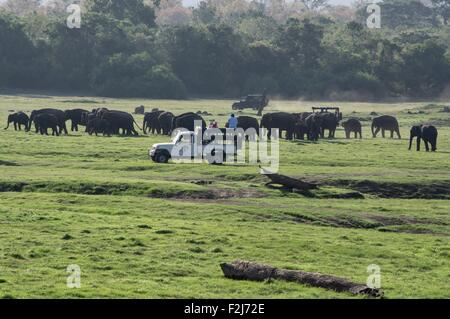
column 160, row 49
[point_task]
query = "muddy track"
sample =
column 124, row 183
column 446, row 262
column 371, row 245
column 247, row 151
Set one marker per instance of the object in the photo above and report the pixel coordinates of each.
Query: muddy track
column 433, row 190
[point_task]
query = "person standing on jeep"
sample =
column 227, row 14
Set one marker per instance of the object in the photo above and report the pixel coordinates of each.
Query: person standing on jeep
column 263, row 103
column 232, row 122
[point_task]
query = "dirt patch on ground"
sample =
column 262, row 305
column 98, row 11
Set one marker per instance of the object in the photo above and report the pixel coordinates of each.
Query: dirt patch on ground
column 212, row 194
column 439, row 122
column 434, row 190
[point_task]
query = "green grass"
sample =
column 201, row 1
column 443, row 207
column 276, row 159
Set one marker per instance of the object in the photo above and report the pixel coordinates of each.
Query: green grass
column 143, row 230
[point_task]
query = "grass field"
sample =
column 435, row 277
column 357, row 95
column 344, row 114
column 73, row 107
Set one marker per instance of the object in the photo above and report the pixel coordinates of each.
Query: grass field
column 143, row 230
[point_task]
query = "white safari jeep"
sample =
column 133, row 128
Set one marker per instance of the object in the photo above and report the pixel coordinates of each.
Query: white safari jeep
column 186, row 146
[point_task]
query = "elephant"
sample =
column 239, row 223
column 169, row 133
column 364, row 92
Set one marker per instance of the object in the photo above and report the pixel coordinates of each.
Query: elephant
column 76, row 117
column 248, row 122
column 301, row 130
column 383, row 123
column 140, row 110
column 330, row 122
column 120, row 120
column 187, row 121
column 314, row 126
column 352, row 126
column 86, row 117
column 303, row 116
column 165, row 122
column 282, row 121
column 19, row 119
column 99, row 111
column 98, row 126
column 60, row 115
column 151, row 122
column 44, row 121
column 427, row 133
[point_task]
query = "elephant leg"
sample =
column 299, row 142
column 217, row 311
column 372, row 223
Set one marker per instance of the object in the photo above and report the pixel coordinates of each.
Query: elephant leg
column 15, row 126
column 383, row 133
column 419, row 140
column 376, row 132
column 398, row 133
column 434, row 146
column 427, row 146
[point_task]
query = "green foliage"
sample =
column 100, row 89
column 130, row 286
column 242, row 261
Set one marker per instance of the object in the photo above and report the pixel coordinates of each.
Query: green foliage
column 134, row 11
column 119, row 51
column 442, row 8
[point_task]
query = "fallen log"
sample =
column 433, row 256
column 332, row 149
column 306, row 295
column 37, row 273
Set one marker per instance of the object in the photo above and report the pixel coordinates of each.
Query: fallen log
column 244, row 270
column 288, row 182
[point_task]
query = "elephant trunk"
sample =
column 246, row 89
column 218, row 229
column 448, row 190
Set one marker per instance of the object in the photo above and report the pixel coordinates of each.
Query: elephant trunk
column 7, row 126
column 29, row 124
column 373, row 129
column 434, row 144
column 411, row 141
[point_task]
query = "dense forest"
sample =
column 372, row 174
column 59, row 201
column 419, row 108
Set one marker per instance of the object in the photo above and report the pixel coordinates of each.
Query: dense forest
column 161, row 49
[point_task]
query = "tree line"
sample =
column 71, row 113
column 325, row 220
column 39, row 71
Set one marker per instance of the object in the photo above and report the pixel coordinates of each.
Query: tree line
column 161, row 49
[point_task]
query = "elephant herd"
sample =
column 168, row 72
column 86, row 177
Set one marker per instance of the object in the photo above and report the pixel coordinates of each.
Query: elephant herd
column 295, row 125
column 97, row 121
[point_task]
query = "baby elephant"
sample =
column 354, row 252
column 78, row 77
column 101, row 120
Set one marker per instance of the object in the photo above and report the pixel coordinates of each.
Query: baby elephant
column 98, row 126
column 352, row 126
column 427, row 133
column 18, row 119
